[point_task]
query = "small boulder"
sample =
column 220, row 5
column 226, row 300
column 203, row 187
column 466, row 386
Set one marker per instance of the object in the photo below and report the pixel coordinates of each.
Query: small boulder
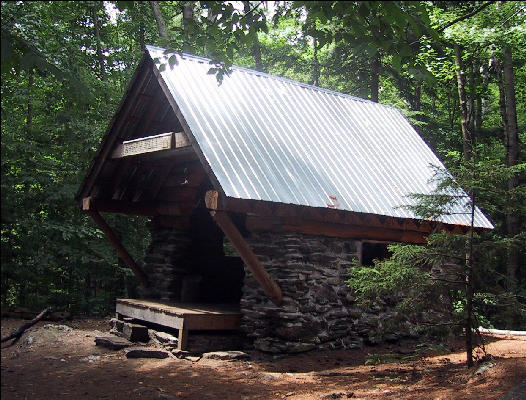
column 226, row 355
column 112, row 342
column 135, row 332
column 164, row 338
column 145, row 352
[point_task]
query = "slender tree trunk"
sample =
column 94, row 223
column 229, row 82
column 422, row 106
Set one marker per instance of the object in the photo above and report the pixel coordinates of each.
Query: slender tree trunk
column 30, row 83
column 417, row 98
column 375, row 77
column 188, row 19
column 464, row 116
column 315, row 65
column 100, row 55
column 472, row 95
column 161, row 26
column 469, row 287
column 512, row 159
column 142, row 31
column 256, row 47
column 502, row 95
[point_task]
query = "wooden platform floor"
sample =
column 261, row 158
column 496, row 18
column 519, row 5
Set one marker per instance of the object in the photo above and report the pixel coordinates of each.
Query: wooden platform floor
column 181, row 316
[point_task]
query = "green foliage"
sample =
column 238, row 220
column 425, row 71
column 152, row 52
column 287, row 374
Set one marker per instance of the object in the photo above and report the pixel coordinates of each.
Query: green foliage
column 55, row 112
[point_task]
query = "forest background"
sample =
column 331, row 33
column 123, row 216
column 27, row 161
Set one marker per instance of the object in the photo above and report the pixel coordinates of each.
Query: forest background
column 455, row 69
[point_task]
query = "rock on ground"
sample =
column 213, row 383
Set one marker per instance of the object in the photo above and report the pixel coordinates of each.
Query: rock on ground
column 226, row 355
column 112, row 342
column 145, row 352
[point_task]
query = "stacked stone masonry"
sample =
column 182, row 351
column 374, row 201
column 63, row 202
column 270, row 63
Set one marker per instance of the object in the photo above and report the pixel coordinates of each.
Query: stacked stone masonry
column 166, row 264
column 318, row 308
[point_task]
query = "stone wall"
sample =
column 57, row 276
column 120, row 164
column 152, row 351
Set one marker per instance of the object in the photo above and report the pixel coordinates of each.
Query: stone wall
column 189, row 265
column 318, row 309
column 166, row 264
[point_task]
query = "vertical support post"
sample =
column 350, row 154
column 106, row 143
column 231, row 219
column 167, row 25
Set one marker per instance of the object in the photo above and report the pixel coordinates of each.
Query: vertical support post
column 182, row 343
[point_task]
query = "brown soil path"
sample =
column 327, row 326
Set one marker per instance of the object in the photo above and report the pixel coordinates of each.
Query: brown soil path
column 55, row 361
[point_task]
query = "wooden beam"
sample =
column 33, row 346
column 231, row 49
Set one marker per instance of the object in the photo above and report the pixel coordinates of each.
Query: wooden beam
column 270, row 287
column 309, row 227
column 212, row 199
column 121, row 251
column 367, row 223
column 135, row 208
column 151, row 144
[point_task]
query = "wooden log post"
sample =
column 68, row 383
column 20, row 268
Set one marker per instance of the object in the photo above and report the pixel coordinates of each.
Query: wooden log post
column 222, row 219
column 121, row 251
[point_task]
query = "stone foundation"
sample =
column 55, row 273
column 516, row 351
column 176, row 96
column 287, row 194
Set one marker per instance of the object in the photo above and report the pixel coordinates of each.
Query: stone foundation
column 317, row 309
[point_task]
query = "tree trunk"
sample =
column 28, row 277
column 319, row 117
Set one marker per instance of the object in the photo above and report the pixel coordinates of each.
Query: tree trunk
column 464, row 116
column 161, row 26
column 417, row 97
column 30, row 83
column 100, row 55
column 469, row 287
column 471, row 99
column 142, row 31
column 188, row 18
column 512, row 158
column 315, row 65
column 256, row 47
column 375, row 77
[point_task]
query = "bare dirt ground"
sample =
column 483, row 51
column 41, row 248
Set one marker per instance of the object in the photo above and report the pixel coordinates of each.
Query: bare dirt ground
column 61, row 361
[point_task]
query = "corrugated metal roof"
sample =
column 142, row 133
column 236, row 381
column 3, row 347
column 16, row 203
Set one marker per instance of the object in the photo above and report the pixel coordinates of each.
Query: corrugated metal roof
column 273, row 139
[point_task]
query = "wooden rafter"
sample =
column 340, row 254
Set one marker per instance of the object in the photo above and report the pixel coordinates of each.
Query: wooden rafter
column 128, row 103
column 135, row 208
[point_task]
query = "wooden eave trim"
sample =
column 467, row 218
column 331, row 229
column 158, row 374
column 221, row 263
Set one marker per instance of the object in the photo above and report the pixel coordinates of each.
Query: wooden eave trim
column 331, row 218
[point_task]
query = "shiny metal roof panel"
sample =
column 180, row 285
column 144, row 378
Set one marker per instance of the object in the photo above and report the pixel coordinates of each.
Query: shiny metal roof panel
column 273, row 139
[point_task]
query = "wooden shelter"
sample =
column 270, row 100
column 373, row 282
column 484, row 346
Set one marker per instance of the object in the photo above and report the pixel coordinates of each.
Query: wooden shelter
column 297, row 178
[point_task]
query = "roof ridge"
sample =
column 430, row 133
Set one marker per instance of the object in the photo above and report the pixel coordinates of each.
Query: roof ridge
column 281, row 78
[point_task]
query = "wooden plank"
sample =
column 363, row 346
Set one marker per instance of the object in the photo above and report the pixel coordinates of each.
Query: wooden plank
column 151, row 144
column 148, row 315
column 195, row 316
column 143, row 145
column 121, row 251
column 247, row 255
column 182, row 342
column 138, row 208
